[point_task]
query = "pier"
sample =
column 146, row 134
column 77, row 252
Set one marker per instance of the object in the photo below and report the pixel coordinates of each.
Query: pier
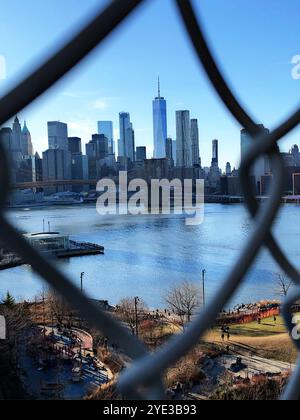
column 78, row 249
column 52, row 244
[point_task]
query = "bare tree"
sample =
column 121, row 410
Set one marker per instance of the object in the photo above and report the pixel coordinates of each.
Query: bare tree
column 283, row 284
column 17, row 317
column 128, row 312
column 56, row 307
column 18, row 320
column 183, row 300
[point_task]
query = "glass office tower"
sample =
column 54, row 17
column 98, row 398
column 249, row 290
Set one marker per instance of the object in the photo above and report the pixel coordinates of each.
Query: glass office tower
column 159, row 125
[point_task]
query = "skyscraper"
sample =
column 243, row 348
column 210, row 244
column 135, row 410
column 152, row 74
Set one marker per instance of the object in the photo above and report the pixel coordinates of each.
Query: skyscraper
column 26, row 171
column 16, row 144
column 228, row 170
column 6, row 138
column 79, row 162
column 169, row 151
column 214, row 171
column 246, row 139
column 56, row 166
column 159, row 125
column 215, row 152
column 262, row 164
column 124, row 120
column 57, row 159
column 58, row 135
column 295, row 151
column 26, row 143
column 106, row 128
column 17, row 140
column 74, row 144
column 127, row 139
column 141, row 153
column 79, row 168
column 97, row 148
column 174, row 151
column 169, row 148
column 102, row 145
column 183, row 139
column 195, row 142
column 130, row 143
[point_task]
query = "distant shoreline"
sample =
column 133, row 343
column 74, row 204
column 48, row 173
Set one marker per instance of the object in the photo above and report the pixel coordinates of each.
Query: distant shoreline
column 226, row 200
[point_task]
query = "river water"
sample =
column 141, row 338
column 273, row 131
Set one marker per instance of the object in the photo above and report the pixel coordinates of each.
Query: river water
column 146, row 255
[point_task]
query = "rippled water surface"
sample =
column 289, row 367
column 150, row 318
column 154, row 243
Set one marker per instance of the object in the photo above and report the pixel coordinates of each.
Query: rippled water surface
column 146, row 255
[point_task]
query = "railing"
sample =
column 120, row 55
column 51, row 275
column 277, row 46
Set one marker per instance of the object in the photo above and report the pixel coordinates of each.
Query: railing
column 147, row 369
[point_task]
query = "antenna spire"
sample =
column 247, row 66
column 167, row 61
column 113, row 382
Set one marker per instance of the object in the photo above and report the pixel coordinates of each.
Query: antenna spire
column 158, row 87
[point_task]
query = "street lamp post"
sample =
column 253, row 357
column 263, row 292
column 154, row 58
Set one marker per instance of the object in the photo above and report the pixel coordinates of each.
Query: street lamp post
column 136, row 300
column 81, row 282
column 203, row 286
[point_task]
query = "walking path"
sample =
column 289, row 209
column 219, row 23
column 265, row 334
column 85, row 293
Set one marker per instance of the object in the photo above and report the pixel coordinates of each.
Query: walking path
column 254, row 364
column 47, row 376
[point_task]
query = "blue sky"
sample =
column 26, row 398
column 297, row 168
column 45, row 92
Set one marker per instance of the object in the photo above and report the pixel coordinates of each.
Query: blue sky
column 255, row 41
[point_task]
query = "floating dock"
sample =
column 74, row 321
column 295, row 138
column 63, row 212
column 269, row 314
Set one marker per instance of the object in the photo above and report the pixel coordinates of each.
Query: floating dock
column 52, row 244
column 78, row 249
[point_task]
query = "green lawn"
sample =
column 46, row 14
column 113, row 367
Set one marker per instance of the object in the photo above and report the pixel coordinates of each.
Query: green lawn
column 266, row 328
column 268, row 339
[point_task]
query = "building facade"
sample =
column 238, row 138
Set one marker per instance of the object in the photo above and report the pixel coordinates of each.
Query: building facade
column 74, row 145
column 169, row 150
column 156, row 169
column 107, row 129
column 16, row 148
column 124, row 122
column 228, row 169
column 292, row 158
column 183, row 139
column 174, row 152
column 56, row 167
column 58, row 135
column 215, row 153
column 195, row 142
column 130, row 143
column 126, row 144
column 261, row 166
column 6, row 138
column 79, row 166
column 26, row 142
column 141, row 153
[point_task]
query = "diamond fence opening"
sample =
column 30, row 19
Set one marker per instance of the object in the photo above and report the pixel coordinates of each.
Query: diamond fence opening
column 143, row 380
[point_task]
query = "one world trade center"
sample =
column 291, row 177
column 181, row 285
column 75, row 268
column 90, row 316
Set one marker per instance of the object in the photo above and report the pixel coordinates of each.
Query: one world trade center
column 159, row 125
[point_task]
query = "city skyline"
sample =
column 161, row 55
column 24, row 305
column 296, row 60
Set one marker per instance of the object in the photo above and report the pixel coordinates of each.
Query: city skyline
column 116, row 140
column 95, row 91
column 64, row 159
column 58, row 137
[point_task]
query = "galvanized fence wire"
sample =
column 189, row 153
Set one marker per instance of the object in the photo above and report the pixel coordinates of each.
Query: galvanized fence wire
column 144, row 379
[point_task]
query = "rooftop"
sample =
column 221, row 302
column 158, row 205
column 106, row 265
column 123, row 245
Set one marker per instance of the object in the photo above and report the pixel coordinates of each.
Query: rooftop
column 45, row 235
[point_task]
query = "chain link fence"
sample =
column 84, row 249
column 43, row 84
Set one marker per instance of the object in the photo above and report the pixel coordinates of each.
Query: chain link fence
column 143, row 380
